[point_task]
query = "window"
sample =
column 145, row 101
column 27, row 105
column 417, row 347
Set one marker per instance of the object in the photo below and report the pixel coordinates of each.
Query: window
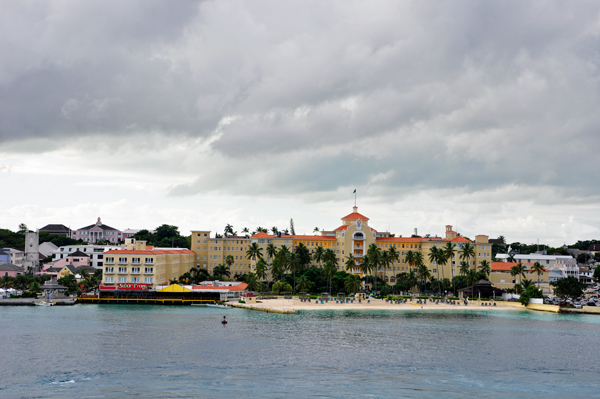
column 149, row 261
column 135, row 279
column 135, row 270
column 136, row 261
column 122, row 261
column 109, row 270
column 109, row 279
column 148, row 280
column 122, row 270
column 122, row 279
column 110, row 260
column 150, row 270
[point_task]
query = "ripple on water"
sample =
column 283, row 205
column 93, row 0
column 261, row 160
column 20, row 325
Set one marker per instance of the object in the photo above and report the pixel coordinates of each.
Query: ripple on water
column 153, row 351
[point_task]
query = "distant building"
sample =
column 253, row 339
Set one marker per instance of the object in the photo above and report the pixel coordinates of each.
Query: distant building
column 32, row 253
column 544, row 260
column 96, row 232
column 4, row 257
column 95, row 252
column 56, row 230
column 47, row 248
column 10, row 270
column 139, row 264
column 17, row 257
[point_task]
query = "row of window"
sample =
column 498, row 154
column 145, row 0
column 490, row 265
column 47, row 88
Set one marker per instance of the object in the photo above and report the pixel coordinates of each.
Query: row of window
column 110, row 280
column 123, row 270
column 134, row 261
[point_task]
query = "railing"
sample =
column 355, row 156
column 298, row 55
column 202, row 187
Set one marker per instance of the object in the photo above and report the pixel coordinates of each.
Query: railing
column 148, row 262
column 148, row 271
column 136, row 262
column 122, row 261
column 134, row 271
column 109, row 271
column 109, row 262
column 122, row 271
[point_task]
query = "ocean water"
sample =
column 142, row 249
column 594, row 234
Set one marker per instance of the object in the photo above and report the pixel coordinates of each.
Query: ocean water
column 119, row 351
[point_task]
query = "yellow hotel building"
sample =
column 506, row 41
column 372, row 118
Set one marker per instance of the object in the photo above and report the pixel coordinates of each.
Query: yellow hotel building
column 354, row 236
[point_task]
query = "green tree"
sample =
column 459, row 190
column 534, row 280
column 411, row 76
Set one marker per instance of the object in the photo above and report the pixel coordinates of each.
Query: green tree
column 518, row 270
column 485, row 268
column 304, row 284
column 569, row 287
column 464, row 268
column 350, row 263
column 329, row 271
column 352, row 283
column 271, row 251
column 467, row 252
column 252, row 281
column 228, row 231
column 221, row 270
column 435, row 257
column 254, row 251
column 530, row 292
column 319, row 254
column 539, row 269
column 281, row 286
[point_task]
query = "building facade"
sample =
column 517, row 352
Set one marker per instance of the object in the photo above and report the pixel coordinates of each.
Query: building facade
column 95, row 252
column 137, row 263
column 354, row 236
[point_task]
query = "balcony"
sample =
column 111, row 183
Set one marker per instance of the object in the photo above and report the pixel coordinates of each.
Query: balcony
column 135, row 271
column 149, row 271
column 109, row 270
column 149, row 262
column 122, row 271
column 109, row 261
column 122, row 261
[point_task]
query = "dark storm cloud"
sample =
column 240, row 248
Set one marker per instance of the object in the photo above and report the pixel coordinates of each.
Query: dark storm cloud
column 311, row 97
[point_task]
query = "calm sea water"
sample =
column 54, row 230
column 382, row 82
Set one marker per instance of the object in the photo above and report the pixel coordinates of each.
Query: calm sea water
column 95, row 351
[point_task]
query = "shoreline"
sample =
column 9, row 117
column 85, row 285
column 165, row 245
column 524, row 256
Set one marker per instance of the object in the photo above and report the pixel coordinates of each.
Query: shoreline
column 295, row 305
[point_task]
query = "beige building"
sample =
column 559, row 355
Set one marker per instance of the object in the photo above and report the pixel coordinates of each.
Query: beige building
column 501, row 278
column 138, row 263
column 354, row 236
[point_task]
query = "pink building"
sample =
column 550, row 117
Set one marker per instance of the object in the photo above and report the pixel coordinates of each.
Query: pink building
column 98, row 231
column 10, row 270
column 76, row 259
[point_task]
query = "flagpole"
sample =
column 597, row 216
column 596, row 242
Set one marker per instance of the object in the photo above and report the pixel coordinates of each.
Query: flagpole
column 355, row 197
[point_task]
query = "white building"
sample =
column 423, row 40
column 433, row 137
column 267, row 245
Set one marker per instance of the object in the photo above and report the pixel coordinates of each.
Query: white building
column 548, row 261
column 16, row 257
column 47, row 248
column 95, row 252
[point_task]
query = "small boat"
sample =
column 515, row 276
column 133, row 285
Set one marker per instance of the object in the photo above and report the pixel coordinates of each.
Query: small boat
column 44, row 303
column 217, row 305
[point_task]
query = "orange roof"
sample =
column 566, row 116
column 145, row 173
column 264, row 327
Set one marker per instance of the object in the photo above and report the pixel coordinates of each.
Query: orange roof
column 408, row 239
column 505, row 266
column 239, row 287
column 354, row 216
column 481, row 235
column 313, row 237
column 146, row 252
column 342, row 227
column 262, row 234
column 459, row 239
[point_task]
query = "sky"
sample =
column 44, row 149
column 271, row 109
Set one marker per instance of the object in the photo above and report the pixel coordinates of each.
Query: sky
column 484, row 115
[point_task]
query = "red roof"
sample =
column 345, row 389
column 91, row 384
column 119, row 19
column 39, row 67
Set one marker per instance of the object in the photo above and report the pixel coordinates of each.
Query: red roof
column 147, row 252
column 342, row 227
column 354, row 216
column 262, row 234
column 313, row 237
column 505, row 266
column 238, row 287
column 459, row 239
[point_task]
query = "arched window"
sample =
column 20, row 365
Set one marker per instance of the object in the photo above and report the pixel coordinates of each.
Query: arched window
column 358, row 236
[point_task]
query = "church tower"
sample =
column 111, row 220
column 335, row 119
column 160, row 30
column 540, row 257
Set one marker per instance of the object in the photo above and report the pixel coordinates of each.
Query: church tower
column 32, row 252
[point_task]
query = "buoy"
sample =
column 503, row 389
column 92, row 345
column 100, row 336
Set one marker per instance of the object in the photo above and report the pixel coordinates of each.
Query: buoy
column 224, row 321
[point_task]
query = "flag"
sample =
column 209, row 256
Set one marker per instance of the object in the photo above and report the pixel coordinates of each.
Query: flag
column 354, row 192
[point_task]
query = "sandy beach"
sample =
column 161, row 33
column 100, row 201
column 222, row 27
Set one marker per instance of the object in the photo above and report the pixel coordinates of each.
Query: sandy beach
column 375, row 304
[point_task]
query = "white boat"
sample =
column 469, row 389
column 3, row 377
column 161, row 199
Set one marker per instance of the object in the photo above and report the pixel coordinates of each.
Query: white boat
column 44, row 303
column 216, row 305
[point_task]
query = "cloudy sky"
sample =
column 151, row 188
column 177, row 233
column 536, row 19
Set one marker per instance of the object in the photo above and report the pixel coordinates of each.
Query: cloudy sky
column 480, row 114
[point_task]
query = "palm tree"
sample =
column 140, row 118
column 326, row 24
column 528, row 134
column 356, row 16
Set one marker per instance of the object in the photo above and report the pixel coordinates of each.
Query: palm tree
column 350, row 263
column 464, row 268
column 254, row 251
column 502, row 239
column 228, row 230
column 467, row 252
column 511, row 257
column 352, row 283
column 246, row 232
column 304, row 283
column 539, row 269
column 319, row 254
column 472, row 278
column 374, row 254
column 435, row 254
column 316, row 230
column 423, row 274
column 518, row 270
column 449, row 252
column 274, row 230
column 252, row 281
column 271, row 250
column 485, row 268
column 221, row 270
column 386, row 261
column 229, row 261
column 261, row 271
column 329, row 271
column 365, row 266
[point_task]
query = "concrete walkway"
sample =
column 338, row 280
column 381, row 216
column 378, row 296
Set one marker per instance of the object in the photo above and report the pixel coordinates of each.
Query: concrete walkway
column 32, row 301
